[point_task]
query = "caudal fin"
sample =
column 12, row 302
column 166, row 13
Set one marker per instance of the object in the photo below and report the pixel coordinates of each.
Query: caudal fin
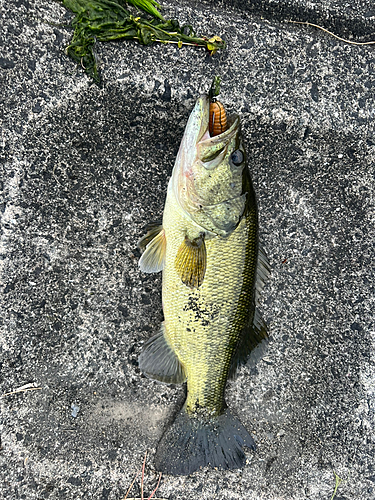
column 194, row 442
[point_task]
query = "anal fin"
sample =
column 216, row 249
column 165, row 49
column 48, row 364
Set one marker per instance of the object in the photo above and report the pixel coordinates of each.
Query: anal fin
column 158, row 360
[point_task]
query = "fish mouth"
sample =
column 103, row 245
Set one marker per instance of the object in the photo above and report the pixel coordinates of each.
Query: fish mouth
column 197, row 141
column 209, row 147
column 197, row 134
column 204, row 138
column 198, row 149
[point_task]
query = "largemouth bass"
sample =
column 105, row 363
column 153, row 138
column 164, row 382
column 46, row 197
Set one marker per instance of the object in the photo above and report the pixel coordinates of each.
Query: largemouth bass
column 213, row 271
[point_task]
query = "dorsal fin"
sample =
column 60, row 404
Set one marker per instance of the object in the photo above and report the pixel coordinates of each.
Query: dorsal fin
column 256, row 331
column 262, row 273
column 252, row 335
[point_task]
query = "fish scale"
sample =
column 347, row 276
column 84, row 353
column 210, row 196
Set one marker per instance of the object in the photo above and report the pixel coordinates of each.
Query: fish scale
column 231, row 295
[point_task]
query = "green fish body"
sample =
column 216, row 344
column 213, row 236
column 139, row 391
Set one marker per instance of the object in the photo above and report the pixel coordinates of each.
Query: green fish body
column 213, row 270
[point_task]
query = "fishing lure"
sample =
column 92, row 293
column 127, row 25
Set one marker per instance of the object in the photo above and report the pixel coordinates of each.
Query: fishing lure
column 217, row 116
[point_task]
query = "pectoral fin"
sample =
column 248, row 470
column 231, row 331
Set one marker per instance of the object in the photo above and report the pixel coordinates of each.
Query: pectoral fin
column 154, row 242
column 191, row 261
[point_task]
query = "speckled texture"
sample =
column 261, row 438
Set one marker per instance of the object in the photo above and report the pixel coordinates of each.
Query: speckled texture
column 351, row 19
column 84, row 169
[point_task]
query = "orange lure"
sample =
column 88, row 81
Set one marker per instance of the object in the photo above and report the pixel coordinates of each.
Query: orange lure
column 218, row 118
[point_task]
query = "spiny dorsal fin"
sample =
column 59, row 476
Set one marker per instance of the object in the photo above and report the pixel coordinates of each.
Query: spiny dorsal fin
column 262, row 273
column 159, row 361
column 191, row 261
column 252, row 335
column 152, row 260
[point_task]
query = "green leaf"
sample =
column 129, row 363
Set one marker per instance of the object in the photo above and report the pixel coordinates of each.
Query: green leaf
column 148, row 6
column 106, row 20
column 215, row 87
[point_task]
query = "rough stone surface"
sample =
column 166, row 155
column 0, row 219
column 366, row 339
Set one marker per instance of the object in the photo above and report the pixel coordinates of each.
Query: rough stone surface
column 84, row 169
column 354, row 19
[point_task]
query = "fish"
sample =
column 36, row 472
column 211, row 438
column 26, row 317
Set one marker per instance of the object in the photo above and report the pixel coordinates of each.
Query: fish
column 213, row 270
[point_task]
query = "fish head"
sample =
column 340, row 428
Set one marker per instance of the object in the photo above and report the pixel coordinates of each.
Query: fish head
column 208, row 176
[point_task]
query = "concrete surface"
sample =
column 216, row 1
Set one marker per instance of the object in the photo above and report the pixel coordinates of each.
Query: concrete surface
column 84, row 169
column 354, row 19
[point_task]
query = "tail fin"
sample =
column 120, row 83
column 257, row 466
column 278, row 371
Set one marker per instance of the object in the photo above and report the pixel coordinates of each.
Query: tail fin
column 193, row 442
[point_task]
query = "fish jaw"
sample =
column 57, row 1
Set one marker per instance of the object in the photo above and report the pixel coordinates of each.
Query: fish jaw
column 205, row 182
column 196, row 128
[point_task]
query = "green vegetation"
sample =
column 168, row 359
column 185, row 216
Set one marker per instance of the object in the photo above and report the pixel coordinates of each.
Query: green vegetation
column 338, row 482
column 215, row 87
column 107, row 20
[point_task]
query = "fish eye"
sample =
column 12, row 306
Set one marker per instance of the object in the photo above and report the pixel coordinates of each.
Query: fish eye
column 237, row 157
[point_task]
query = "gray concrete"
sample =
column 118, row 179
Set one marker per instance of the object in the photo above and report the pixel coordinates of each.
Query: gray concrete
column 84, row 169
column 354, row 19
